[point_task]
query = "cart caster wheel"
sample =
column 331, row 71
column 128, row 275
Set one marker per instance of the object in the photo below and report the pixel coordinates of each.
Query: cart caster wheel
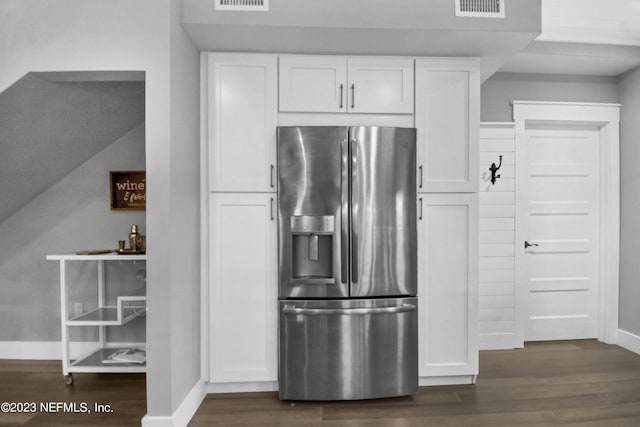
column 68, row 379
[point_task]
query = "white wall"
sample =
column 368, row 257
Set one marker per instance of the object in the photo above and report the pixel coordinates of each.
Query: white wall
column 91, row 35
column 185, row 191
column 629, row 318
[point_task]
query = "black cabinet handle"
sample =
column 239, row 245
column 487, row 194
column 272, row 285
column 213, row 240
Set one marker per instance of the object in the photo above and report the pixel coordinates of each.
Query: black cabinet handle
column 353, row 95
column 271, row 209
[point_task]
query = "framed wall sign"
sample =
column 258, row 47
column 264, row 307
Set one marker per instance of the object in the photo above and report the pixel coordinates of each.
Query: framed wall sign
column 128, row 190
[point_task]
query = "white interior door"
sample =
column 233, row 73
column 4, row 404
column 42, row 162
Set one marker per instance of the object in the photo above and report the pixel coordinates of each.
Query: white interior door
column 562, row 225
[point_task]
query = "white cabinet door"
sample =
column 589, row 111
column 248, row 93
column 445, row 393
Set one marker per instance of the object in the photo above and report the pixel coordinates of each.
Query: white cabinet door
column 448, row 284
column 243, row 287
column 313, row 83
column 448, row 122
column 241, row 118
column 335, row 84
column 380, row 85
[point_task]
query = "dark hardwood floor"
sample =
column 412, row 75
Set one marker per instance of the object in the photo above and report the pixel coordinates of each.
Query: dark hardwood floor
column 41, row 382
column 579, row 383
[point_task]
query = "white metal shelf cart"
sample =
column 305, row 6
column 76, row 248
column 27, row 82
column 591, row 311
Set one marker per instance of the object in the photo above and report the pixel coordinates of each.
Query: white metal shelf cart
column 126, row 309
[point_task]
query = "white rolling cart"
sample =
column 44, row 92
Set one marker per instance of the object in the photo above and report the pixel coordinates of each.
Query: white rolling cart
column 124, row 309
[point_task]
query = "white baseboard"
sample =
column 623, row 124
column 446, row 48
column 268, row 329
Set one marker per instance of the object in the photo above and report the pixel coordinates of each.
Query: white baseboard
column 34, row 350
column 502, row 341
column 184, row 413
column 447, row 380
column 242, row 387
column 628, row 340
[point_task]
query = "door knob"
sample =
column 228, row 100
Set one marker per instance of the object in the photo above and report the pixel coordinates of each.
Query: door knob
column 527, row 244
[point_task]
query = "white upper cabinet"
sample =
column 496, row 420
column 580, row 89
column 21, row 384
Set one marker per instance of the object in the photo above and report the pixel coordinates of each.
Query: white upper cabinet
column 334, row 84
column 380, row 85
column 241, row 120
column 448, row 122
column 313, row 84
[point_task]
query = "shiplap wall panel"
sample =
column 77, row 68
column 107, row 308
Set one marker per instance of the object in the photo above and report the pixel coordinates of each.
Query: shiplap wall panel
column 498, row 198
column 496, row 276
column 502, row 250
column 497, row 247
column 497, row 236
column 487, row 224
column 496, row 263
column 488, row 157
column 500, row 331
column 496, row 314
column 496, row 288
column 497, row 211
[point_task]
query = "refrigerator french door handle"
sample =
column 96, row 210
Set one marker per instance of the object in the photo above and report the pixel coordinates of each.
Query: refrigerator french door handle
column 344, row 227
column 354, row 210
column 404, row 308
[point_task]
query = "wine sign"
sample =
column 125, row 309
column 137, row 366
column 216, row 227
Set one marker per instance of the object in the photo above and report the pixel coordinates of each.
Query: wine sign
column 128, row 190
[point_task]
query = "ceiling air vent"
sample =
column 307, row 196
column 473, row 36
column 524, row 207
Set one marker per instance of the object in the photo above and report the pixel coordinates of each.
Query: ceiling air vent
column 480, row 8
column 242, row 5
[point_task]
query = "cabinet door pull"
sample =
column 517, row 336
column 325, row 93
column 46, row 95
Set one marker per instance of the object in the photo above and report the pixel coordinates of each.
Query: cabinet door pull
column 353, row 95
column 341, row 95
column 420, row 216
column 271, row 176
column 271, row 209
column 420, row 169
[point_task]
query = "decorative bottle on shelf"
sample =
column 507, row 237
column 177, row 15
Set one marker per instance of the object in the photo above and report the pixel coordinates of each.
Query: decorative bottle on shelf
column 133, row 238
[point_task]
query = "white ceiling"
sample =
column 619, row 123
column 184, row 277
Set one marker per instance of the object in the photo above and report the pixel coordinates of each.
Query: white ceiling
column 365, row 27
column 589, row 37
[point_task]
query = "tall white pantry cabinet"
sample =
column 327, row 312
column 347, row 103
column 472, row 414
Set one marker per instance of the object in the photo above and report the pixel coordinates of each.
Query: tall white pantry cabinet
column 243, row 98
column 240, row 253
column 447, row 119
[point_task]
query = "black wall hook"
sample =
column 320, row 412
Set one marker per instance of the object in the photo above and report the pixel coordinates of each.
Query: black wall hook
column 493, row 170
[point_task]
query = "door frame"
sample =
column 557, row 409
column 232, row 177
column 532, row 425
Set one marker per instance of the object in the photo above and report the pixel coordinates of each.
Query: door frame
column 605, row 117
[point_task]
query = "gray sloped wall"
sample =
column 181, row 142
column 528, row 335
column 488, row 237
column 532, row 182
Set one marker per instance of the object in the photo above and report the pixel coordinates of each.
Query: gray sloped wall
column 47, row 129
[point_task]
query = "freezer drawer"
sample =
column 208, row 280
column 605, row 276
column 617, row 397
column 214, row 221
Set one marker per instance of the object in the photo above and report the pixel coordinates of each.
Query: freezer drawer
column 348, row 349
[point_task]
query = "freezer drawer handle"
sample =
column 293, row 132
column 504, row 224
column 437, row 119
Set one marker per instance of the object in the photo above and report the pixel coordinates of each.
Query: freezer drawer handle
column 404, row 308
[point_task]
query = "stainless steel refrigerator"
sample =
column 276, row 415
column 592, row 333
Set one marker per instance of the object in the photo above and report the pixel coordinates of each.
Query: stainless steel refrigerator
column 347, row 263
